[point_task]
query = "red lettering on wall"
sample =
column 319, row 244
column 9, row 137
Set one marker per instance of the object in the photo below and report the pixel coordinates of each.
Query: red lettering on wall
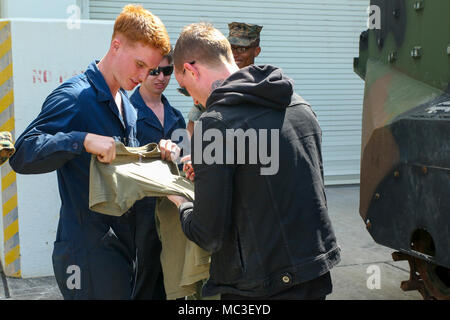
column 46, row 76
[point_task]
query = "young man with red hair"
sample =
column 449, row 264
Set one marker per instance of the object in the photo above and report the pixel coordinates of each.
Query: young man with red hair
column 94, row 255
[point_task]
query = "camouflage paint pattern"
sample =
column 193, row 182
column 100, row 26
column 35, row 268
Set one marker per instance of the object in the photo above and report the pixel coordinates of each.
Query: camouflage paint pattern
column 243, row 34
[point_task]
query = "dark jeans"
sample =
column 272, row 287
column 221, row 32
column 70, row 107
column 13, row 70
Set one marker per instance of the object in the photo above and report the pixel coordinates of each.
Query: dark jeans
column 150, row 281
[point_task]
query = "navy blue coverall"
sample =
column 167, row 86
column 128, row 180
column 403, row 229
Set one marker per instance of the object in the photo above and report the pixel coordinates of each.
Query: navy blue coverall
column 99, row 247
column 149, row 129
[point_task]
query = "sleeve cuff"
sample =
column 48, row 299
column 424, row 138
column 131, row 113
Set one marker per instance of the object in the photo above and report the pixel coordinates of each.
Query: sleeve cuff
column 186, row 206
column 77, row 141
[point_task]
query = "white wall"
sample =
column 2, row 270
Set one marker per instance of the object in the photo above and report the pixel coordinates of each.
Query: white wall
column 40, row 64
column 45, row 9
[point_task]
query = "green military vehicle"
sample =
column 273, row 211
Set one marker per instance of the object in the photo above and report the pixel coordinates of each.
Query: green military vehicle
column 404, row 59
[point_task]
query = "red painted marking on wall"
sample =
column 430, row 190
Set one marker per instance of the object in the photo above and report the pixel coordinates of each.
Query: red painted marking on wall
column 46, row 76
column 36, row 76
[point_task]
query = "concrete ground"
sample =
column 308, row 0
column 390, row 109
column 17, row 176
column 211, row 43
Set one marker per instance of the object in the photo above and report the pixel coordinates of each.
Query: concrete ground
column 361, row 261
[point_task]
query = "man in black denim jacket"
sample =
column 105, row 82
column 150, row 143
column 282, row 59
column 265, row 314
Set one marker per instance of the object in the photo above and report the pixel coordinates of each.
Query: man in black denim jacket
column 264, row 219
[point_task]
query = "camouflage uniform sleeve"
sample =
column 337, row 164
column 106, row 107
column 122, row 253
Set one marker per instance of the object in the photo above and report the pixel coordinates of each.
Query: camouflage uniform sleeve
column 6, row 146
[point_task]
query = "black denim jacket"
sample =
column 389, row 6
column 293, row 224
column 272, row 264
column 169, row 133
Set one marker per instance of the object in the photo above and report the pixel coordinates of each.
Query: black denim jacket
column 268, row 232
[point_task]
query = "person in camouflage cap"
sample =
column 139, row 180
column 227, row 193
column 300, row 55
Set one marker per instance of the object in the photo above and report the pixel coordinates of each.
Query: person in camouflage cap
column 244, row 40
column 6, row 146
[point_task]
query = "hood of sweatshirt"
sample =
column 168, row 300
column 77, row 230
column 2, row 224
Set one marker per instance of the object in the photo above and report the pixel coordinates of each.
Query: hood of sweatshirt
column 263, row 86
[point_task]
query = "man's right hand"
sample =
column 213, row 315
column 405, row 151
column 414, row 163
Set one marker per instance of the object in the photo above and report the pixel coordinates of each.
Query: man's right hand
column 103, row 147
column 188, row 168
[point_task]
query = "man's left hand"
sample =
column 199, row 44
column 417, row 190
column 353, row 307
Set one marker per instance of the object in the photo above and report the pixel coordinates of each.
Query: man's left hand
column 177, row 200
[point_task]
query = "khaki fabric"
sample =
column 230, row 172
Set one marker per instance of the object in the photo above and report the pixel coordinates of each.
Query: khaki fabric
column 183, row 262
column 137, row 173
column 134, row 174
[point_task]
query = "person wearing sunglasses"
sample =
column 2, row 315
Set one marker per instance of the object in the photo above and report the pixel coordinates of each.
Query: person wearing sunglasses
column 156, row 120
column 244, row 39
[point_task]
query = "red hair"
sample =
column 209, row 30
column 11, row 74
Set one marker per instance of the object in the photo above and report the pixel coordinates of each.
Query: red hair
column 137, row 24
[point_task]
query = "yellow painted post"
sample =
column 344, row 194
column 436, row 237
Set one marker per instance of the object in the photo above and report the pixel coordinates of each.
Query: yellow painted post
column 8, row 176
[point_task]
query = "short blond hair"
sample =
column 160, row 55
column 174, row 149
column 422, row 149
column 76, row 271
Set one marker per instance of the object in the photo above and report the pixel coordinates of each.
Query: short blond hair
column 201, row 42
column 137, row 24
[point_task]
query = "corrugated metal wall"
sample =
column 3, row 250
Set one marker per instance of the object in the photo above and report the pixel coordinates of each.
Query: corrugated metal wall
column 313, row 41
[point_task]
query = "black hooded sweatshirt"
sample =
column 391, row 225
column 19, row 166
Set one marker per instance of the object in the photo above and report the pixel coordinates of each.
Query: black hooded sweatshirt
column 260, row 205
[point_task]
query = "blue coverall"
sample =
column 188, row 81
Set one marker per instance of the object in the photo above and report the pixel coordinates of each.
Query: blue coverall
column 149, row 129
column 101, row 247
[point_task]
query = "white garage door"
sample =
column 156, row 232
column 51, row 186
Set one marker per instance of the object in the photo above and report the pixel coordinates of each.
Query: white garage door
column 313, row 41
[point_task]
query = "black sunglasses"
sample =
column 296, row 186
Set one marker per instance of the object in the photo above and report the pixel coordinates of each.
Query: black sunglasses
column 183, row 91
column 167, row 71
column 239, row 50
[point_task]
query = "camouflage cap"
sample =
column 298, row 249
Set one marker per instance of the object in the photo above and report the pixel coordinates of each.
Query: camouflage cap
column 243, row 34
column 6, row 146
